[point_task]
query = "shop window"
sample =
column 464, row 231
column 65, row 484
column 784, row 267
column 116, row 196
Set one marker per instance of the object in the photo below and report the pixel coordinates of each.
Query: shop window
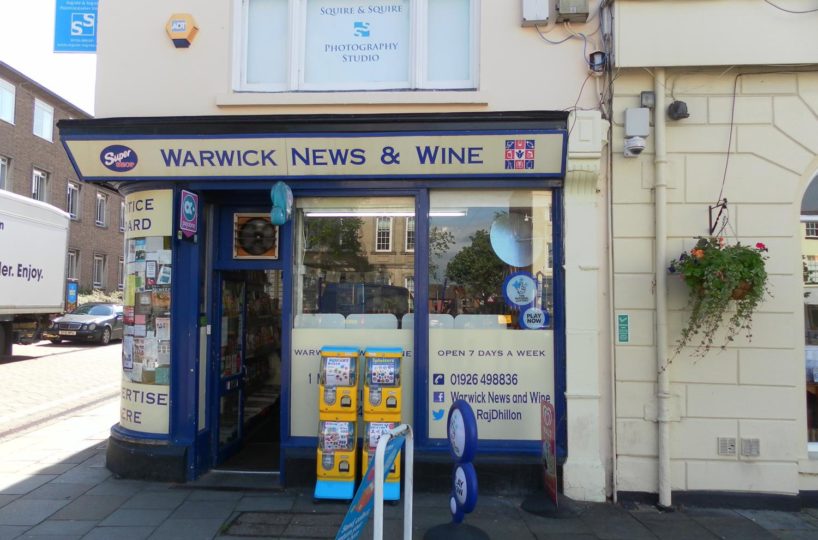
column 345, row 292
column 410, row 234
column 7, row 96
column 99, row 271
column 73, row 200
column 491, row 306
column 72, row 269
column 294, row 45
column 4, row 172
column 39, row 185
column 102, row 210
column 383, row 234
column 43, row 120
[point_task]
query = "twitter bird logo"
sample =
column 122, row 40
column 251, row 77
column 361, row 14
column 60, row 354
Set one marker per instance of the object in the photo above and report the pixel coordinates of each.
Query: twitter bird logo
column 437, row 415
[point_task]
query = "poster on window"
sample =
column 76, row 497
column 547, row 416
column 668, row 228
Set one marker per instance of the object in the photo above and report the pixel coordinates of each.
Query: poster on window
column 356, row 41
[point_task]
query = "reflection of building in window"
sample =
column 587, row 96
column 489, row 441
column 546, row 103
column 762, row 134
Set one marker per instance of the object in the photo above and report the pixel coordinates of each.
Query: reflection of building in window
column 383, row 235
column 812, row 229
column 410, row 234
column 811, row 263
column 550, row 247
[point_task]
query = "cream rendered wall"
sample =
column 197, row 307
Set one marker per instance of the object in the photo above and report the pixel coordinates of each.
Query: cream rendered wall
column 753, row 389
column 140, row 73
column 714, row 33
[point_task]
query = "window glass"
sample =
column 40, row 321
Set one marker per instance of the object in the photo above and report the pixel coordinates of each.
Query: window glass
column 449, row 45
column 99, row 270
column 477, row 240
column 122, row 216
column 73, row 200
column 491, row 310
column 7, row 92
column 39, row 186
column 102, row 207
column 43, row 119
column 347, row 293
column 71, row 263
column 267, row 32
column 357, row 41
column 410, row 234
column 4, row 172
column 812, row 228
column 383, row 238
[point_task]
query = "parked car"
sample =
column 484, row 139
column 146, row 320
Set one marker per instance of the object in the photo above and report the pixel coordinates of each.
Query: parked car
column 100, row 322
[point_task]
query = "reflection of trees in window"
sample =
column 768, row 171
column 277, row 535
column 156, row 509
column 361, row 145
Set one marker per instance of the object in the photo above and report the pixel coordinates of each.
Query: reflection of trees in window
column 334, row 244
column 440, row 240
column 478, row 269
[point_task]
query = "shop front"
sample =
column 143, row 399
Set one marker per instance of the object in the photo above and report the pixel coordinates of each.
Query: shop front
column 437, row 236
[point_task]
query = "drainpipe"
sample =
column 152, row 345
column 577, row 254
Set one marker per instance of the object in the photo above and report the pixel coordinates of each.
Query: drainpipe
column 660, row 209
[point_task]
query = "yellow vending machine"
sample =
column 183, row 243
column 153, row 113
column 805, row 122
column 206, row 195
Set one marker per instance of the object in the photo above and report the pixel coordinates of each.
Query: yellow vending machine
column 382, row 407
column 338, row 416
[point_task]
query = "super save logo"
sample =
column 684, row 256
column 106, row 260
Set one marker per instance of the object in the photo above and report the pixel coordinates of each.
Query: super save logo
column 118, row 158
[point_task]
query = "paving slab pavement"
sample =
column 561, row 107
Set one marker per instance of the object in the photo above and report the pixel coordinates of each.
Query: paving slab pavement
column 53, row 484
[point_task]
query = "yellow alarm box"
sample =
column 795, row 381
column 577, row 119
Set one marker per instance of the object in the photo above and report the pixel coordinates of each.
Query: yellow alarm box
column 336, row 451
column 382, row 384
column 338, row 383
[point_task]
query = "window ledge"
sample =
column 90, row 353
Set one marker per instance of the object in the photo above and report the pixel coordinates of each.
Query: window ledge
column 249, row 99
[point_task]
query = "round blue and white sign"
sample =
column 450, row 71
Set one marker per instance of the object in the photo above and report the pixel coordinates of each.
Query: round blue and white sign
column 534, row 318
column 462, row 431
column 520, row 289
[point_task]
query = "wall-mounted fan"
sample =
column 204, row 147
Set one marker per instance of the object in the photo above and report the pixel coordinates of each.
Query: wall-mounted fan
column 254, row 237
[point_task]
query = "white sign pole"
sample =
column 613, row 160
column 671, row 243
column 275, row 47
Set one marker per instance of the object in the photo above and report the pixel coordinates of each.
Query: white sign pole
column 404, row 430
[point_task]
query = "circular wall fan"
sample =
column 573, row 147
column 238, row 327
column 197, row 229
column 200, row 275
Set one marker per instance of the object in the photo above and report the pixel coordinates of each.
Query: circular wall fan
column 257, row 236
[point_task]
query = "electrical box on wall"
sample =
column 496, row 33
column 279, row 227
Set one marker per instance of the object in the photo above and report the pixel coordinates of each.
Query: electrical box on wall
column 572, row 10
column 535, row 12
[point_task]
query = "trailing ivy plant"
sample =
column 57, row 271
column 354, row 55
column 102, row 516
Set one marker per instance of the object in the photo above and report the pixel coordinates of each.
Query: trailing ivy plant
column 720, row 277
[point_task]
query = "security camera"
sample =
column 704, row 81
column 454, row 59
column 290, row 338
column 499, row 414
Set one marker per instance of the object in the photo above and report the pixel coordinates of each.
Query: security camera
column 634, row 146
column 637, row 129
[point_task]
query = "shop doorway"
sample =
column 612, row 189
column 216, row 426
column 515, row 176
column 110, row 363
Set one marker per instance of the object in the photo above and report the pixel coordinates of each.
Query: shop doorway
column 248, row 356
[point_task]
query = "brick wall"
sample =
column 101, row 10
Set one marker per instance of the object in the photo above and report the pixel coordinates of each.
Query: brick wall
column 28, row 152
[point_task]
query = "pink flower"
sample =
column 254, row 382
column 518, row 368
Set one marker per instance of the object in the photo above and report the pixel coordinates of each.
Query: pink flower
column 761, row 247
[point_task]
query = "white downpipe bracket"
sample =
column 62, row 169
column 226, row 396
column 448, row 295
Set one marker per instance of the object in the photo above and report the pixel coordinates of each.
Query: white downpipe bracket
column 662, row 365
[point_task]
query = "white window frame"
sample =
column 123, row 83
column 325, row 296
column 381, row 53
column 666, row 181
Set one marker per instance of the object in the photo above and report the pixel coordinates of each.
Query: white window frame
column 122, row 216
column 811, row 229
column 47, row 124
column 406, row 247
column 72, row 264
column 120, row 274
column 297, row 13
column 39, row 185
column 98, row 271
column 101, row 216
column 73, row 196
column 5, row 168
column 378, row 221
column 8, row 91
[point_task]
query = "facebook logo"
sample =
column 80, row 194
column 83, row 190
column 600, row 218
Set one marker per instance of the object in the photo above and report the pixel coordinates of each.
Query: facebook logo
column 438, row 379
column 438, row 397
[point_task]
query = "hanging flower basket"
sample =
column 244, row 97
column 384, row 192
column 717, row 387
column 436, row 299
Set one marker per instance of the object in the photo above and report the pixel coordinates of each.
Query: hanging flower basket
column 720, row 278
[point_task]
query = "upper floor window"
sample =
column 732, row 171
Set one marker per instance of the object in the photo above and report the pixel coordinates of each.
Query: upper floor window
column 383, row 234
column 7, row 93
column 39, row 185
column 102, row 209
column 410, row 234
column 43, row 119
column 812, row 228
column 73, row 204
column 4, row 172
column 122, row 217
column 314, row 45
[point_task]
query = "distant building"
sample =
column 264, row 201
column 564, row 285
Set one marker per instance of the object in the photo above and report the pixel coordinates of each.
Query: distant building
column 34, row 164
